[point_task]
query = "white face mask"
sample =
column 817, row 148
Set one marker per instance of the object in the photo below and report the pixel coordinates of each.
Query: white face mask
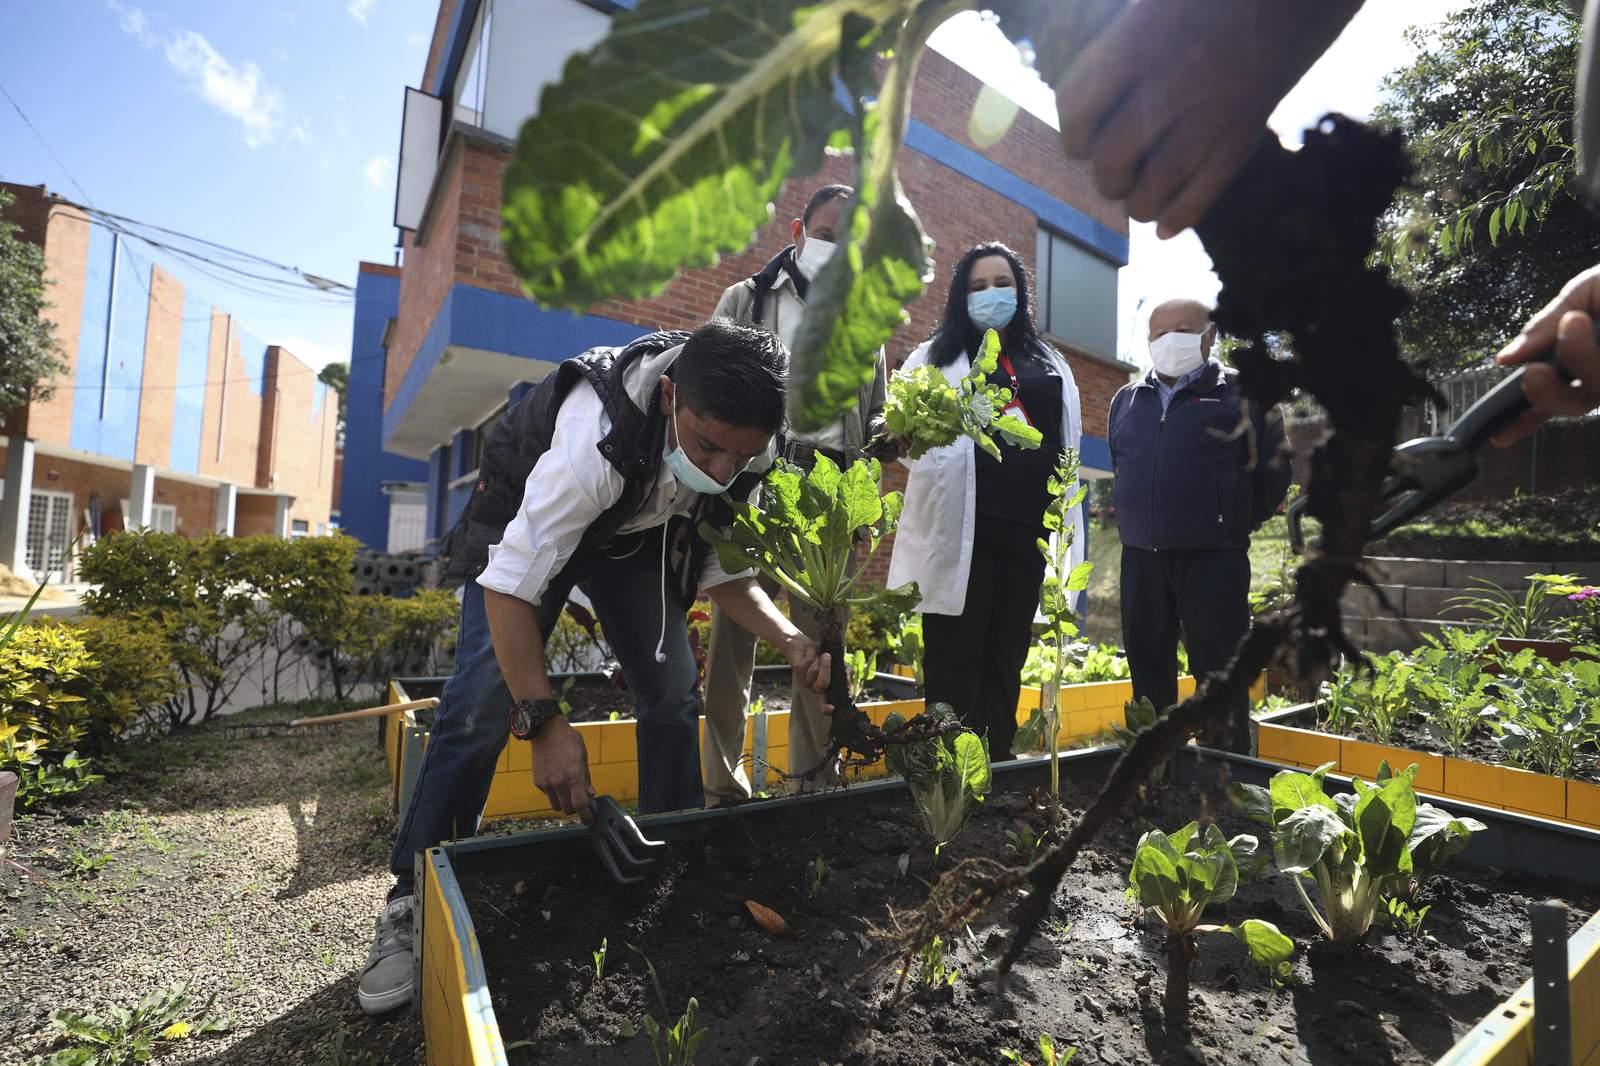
column 1176, row 354
column 815, row 253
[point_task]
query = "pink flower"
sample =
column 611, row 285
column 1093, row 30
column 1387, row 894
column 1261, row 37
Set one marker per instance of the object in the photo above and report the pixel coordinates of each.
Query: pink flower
column 1588, row 592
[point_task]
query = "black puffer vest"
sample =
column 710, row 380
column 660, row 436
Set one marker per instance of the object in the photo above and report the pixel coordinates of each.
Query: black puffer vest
column 633, row 447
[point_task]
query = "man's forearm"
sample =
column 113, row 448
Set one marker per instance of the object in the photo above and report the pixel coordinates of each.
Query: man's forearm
column 747, row 604
column 518, row 645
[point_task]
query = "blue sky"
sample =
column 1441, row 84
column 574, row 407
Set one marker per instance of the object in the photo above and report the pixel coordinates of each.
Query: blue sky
column 273, row 128
column 270, row 128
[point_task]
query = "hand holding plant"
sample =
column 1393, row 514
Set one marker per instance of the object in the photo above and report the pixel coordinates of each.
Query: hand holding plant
column 924, row 408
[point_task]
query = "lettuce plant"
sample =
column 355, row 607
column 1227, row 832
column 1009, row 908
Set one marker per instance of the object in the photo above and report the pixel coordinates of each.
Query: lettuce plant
column 1175, row 877
column 948, row 773
column 803, row 535
column 1549, row 717
column 924, row 408
column 1357, row 848
column 906, row 644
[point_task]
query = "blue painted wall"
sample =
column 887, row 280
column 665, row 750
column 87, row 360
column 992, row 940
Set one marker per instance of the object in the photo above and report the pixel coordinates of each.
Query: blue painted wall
column 253, row 350
column 363, row 507
column 189, row 398
column 110, row 428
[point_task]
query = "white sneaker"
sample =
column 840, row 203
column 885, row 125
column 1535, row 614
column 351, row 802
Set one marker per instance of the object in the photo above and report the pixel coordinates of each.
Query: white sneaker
column 386, row 980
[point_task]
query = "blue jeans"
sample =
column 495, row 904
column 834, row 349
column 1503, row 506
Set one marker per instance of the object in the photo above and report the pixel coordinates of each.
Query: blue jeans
column 472, row 722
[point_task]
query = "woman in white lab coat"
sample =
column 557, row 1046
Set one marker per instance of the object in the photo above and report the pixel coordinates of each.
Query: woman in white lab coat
column 970, row 529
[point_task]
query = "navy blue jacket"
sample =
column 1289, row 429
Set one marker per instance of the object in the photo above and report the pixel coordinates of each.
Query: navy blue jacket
column 1182, row 477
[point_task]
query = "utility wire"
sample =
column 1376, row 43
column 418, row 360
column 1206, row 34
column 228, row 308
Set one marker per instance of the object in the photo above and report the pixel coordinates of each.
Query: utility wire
column 27, row 122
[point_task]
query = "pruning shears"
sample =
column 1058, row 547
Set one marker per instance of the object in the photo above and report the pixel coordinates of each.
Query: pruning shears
column 623, row 849
column 1429, row 470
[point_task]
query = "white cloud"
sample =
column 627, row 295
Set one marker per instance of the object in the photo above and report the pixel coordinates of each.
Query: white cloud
column 379, row 168
column 315, row 354
column 360, row 10
column 237, row 90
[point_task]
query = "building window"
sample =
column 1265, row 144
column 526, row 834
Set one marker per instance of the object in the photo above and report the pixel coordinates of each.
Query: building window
column 474, row 71
column 163, row 517
column 299, row 527
column 1077, row 295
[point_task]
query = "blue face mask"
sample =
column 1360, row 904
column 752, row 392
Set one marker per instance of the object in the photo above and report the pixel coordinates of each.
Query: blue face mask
column 688, row 474
column 992, row 308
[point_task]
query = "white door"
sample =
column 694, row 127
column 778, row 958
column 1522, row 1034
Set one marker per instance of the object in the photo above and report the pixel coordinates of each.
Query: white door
column 408, row 521
column 49, row 532
column 163, row 517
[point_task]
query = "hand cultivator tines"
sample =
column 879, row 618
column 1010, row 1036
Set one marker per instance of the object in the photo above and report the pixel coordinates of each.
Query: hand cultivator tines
column 624, row 850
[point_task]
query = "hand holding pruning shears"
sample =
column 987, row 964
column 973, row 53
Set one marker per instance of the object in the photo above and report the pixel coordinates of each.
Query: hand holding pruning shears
column 1567, row 323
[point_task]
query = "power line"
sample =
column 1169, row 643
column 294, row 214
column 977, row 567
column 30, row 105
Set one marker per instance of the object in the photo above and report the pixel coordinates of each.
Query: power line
column 23, row 115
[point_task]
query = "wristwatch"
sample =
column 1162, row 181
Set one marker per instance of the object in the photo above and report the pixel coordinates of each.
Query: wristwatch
column 530, row 716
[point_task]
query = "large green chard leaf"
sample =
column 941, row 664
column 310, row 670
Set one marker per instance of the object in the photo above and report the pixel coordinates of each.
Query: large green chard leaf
column 665, row 144
column 1305, row 835
column 882, row 262
column 1292, row 791
column 1383, row 818
column 1267, row 946
column 1437, row 836
column 1154, row 876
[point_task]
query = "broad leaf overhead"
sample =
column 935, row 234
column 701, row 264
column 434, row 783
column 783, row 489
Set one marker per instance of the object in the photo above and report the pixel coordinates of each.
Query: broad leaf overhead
column 664, row 145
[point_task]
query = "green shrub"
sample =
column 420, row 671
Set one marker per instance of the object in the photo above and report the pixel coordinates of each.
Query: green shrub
column 135, row 678
column 43, row 716
column 205, row 594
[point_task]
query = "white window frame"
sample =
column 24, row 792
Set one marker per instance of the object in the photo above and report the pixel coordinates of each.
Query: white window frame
column 37, row 554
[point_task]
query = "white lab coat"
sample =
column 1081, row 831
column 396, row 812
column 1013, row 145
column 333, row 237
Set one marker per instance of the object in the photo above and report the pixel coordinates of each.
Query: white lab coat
column 933, row 544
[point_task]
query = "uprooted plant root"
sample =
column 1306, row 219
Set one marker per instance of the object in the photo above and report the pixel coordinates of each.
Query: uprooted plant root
column 1290, row 240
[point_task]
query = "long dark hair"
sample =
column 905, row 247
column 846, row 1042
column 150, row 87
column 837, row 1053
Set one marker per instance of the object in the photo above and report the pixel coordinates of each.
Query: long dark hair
column 956, row 333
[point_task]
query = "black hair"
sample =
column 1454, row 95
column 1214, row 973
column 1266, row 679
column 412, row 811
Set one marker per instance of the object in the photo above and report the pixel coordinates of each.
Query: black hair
column 824, row 195
column 733, row 373
column 956, row 333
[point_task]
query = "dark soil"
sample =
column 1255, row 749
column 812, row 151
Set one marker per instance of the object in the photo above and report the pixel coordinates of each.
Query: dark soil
column 1093, row 978
column 1480, row 746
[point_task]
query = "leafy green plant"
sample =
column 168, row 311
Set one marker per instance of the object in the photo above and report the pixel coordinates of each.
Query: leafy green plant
column 925, row 409
column 1453, row 687
column 948, row 774
column 1372, row 701
column 1523, row 616
column 1086, row 664
column 1024, row 843
column 1057, row 597
column 862, row 668
column 816, row 872
column 1358, row 848
column 599, row 955
column 1402, row 917
column 935, row 965
column 1175, row 877
column 701, row 109
column 802, row 535
column 1137, row 716
column 676, row 1044
column 1049, row 1054
column 124, row 1035
column 906, row 644
column 1549, row 717
column 81, row 863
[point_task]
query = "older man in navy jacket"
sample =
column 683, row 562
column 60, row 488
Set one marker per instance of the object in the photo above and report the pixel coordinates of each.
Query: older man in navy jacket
column 1188, row 498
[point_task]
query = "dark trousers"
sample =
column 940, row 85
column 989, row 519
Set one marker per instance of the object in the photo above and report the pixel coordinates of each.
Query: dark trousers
column 973, row 661
column 1207, row 591
column 624, row 582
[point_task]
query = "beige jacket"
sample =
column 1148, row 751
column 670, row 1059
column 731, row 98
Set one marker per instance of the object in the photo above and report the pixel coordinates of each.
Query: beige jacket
column 781, row 313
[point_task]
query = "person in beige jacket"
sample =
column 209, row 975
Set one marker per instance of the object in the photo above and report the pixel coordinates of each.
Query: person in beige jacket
column 775, row 298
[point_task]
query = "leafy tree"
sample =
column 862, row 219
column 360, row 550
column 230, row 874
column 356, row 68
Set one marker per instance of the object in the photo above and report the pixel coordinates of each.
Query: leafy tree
column 337, row 377
column 30, row 353
column 1496, row 225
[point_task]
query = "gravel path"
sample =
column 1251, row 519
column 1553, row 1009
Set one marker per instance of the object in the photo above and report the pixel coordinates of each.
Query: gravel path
column 251, row 868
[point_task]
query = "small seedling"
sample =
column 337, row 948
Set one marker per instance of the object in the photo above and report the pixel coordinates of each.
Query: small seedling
column 1404, row 918
column 82, row 863
column 1024, row 843
column 599, row 956
column 816, row 871
column 325, row 956
column 678, row 1045
column 1049, row 1054
column 935, row 967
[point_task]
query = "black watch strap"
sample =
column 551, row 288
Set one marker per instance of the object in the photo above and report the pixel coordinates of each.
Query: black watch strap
column 530, row 716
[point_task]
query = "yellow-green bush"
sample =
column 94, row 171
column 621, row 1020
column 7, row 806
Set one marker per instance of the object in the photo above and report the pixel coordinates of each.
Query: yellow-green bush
column 43, row 714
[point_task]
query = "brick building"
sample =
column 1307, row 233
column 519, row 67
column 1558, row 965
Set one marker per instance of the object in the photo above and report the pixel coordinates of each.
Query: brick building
column 464, row 340
column 170, row 415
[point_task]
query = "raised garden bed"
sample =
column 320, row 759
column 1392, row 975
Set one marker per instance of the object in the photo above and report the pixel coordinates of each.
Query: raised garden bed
column 1479, row 774
column 613, row 754
column 510, row 927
